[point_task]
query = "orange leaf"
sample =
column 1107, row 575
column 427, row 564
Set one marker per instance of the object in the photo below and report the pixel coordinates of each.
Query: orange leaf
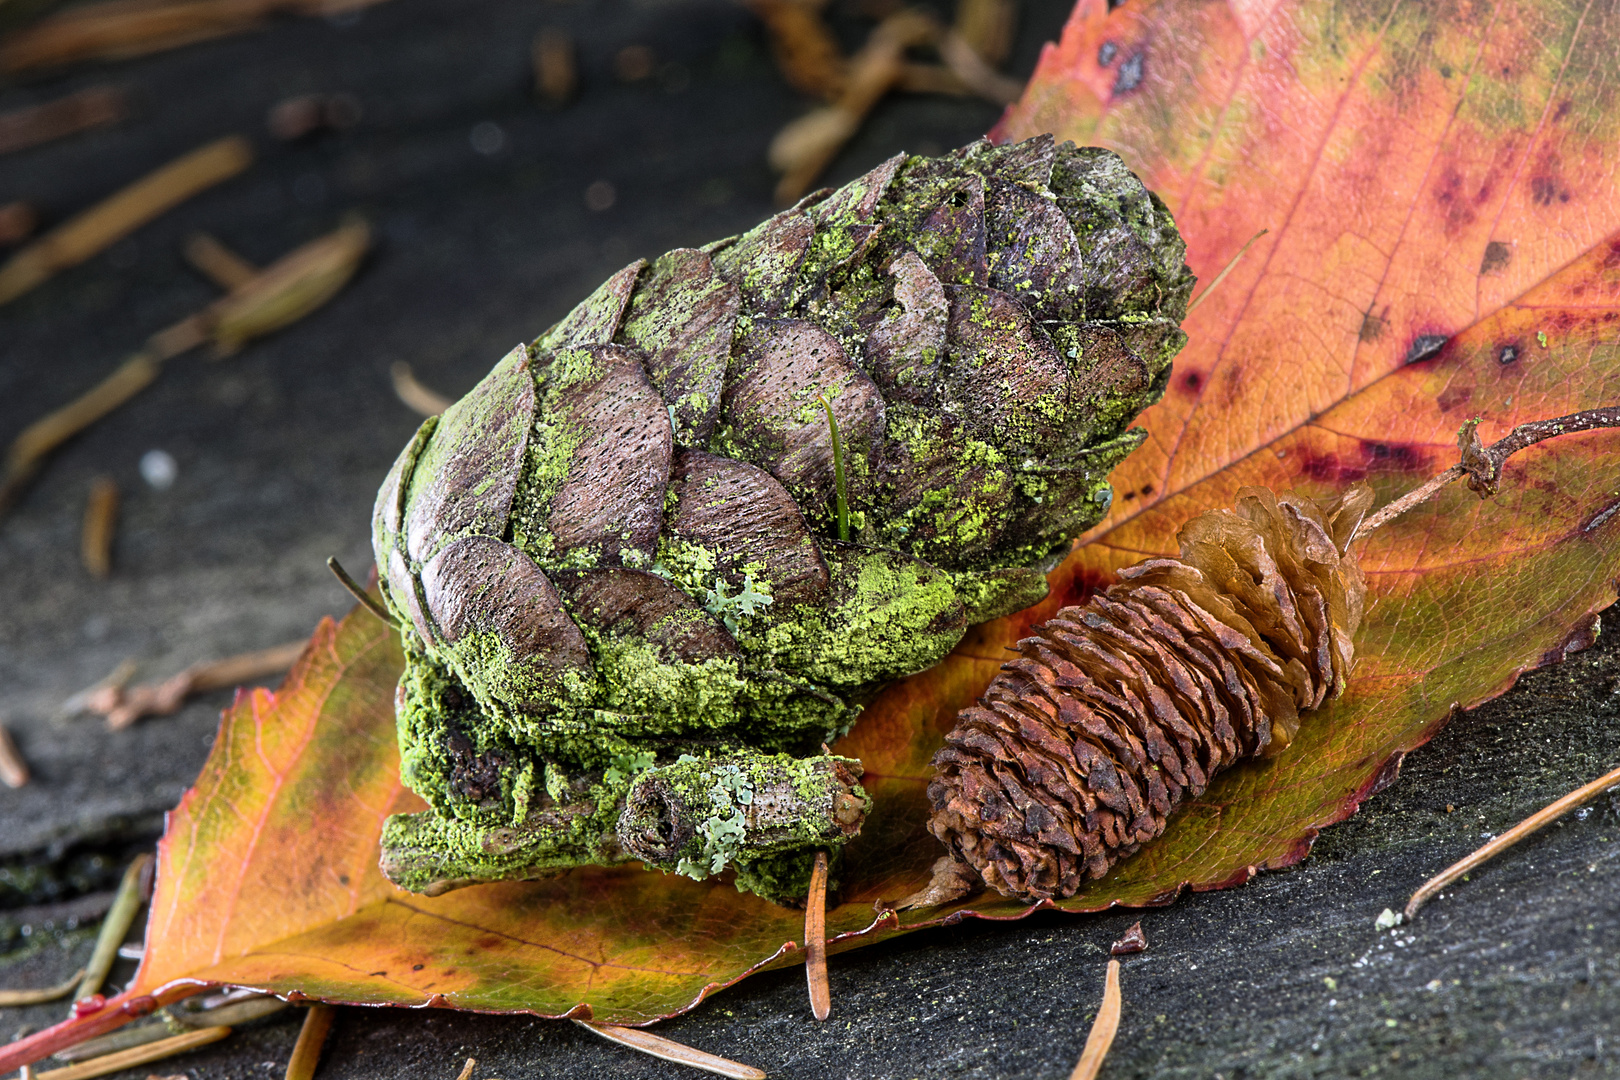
column 1439, row 186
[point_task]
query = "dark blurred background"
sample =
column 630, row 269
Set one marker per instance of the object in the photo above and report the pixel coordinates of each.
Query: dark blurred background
column 495, row 209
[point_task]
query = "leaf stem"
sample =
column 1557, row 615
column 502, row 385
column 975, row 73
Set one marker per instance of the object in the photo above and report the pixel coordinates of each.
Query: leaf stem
column 838, row 471
column 1482, row 465
column 1523, row 829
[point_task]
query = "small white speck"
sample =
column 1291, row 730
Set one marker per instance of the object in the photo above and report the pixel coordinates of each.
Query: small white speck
column 159, row 469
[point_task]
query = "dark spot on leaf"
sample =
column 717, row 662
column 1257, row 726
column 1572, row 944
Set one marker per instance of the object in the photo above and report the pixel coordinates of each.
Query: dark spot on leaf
column 376, row 973
column 1508, row 354
column 1130, row 73
column 1372, row 327
column 1425, row 346
column 1193, row 381
column 1445, row 71
column 1106, row 53
column 1328, row 469
column 1147, row 489
column 1497, row 256
column 1083, row 585
column 418, row 967
column 1562, row 110
column 1393, row 457
column 1454, row 201
column 343, row 879
column 1546, row 190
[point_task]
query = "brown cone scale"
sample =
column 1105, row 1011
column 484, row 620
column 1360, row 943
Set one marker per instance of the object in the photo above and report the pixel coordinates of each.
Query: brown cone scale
column 1119, row 710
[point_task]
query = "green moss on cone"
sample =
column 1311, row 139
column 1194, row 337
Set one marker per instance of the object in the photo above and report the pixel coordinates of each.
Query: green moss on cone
column 616, row 556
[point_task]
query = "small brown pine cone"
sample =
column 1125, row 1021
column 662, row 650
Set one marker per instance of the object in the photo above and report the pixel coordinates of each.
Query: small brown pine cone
column 1119, row 710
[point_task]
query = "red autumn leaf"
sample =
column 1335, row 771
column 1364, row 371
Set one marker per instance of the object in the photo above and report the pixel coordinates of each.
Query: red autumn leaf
column 1444, row 242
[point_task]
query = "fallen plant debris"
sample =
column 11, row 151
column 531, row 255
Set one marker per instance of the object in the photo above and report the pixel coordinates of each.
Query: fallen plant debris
column 1132, row 941
column 815, row 940
column 93, row 230
column 170, row 1047
column 467, row 1069
column 556, row 71
column 1534, row 823
column 16, row 999
column 123, row 705
column 309, row 114
column 287, row 290
column 1120, row 710
column 669, row 1050
column 742, row 567
column 121, row 29
column 134, row 890
column 312, row 1035
column 805, row 50
column 17, row 223
column 418, row 398
column 1103, row 1029
column 218, row 263
column 92, row 107
column 100, row 526
column 13, row 768
column 810, row 60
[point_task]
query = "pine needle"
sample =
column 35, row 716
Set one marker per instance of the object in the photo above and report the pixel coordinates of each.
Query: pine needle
column 1103, row 1029
column 1534, row 822
column 1220, row 277
column 120, row 917
column 311, row 1038
column 140, row 1055
column 17, row 998
column 815, row 940
column 669, row 1050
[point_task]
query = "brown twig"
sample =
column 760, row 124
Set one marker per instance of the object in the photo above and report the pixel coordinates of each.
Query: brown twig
column 805, row 147
column 815, row 940
column 10, row 999
column 669, row 1050
column 311, row 1038
column 1579, row 797
column 1482, row 465
column 1103, row 1029
column 91, row 107
column 417, row 397
column 13, row 769
column 100, row 524
column 123, row 705
column 120, row 917
column 805, row 50
column 95, row 229
column 218, row 263
column 119, row 29
column 140, row 1055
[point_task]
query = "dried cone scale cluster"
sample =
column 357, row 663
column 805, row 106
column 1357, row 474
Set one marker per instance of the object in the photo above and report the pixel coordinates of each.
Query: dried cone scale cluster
column 1119, row 710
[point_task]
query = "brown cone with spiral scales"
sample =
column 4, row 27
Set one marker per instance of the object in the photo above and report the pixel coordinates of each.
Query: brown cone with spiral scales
column 1119, row 710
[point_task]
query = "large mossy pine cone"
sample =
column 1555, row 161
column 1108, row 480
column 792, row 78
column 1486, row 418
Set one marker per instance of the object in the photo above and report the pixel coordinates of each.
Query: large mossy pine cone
column 628, row 618
column 1119, row 710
